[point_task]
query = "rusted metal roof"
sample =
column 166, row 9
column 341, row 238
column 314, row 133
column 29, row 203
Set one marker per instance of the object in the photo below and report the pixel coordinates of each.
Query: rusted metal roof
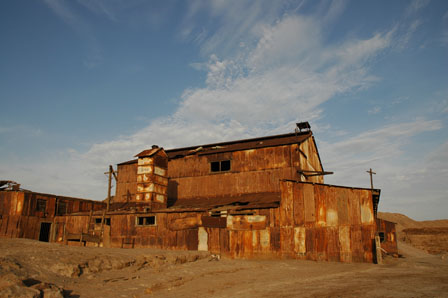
column 233, row 202
column 218, row 203
column 149, row 152
column 245, row 144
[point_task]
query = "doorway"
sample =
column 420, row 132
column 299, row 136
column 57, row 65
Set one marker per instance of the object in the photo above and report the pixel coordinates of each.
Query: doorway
column 44, row 234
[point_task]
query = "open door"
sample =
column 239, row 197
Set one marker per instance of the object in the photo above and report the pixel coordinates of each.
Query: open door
column 44, row 234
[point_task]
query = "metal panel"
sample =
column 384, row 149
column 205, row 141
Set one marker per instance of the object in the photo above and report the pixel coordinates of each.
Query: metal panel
column 321, row 206
column 287, row 205
column 310, row 207
column 214, row 222
column 299, row 205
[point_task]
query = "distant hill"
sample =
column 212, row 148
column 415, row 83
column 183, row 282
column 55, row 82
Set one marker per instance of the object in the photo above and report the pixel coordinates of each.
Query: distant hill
column 429, row 235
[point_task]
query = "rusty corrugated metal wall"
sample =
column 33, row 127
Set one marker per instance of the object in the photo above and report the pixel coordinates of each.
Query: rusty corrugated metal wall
column 314, row 222
column 20, row 217
column 252, row 171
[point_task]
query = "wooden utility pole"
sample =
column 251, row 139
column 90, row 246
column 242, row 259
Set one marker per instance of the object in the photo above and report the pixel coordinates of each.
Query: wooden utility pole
column 111, row 170
column 371, row 177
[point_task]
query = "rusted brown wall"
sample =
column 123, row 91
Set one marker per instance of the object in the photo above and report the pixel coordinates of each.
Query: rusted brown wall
column 228, row 183
column 314, row 222
column 330, row 223
column 127, row 183
column 125, row 233
column 20, row 219
column 309, row 160
column 390, row 236
column 252, row 171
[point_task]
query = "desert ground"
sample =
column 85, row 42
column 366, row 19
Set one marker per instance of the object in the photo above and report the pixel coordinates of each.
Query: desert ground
column 30, row 268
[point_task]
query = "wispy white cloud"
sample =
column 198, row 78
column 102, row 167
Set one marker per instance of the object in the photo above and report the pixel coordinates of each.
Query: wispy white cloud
column 21, row 130
column 406, row 179
column 67, row 13
column 374, row 110
column 415, row 6
column 253, row 93
column 106, row 8
column 229, row 22
column 409, row 31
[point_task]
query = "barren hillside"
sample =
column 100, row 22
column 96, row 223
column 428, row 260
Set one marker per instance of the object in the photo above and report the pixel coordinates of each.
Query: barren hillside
column 429, row 235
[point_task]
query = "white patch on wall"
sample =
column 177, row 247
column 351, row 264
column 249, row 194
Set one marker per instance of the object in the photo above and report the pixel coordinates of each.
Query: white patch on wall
column 202, row 239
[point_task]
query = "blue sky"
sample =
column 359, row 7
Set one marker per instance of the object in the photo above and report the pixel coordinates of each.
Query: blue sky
column 85, row 84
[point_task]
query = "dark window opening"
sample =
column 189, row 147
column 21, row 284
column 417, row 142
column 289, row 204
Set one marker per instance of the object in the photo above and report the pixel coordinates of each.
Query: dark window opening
column 62, row 208
column 146, row 221
column 381, row 234
column 215, row 166
column 220, row 166
column 106, row 221
column 41, row 205
column 225, row 165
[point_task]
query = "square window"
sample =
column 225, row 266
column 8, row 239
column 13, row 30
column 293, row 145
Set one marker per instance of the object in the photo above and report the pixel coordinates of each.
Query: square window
column 225, row 165
column 106, row 221
column 41, row 205
column 146, row 220
column 220, row 166
column 214, row 166
column 62, row 208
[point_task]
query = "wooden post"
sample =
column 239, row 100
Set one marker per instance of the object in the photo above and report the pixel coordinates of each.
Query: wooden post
column 90, row 221
column 111, row 170
column 379, row 256
column 371, row 177
column 102, row 225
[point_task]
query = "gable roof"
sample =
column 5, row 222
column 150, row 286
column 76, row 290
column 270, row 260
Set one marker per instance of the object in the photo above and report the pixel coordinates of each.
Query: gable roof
column 245, row 144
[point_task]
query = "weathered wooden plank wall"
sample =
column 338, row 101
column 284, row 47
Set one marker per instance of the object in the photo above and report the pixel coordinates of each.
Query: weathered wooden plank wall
column 126, row 187
column 20, row 217
column 252, row 171
column 309, row 160
column 338, row 221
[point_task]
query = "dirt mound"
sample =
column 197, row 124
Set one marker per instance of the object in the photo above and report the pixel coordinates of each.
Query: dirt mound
column 429, row 235
column 31, row 268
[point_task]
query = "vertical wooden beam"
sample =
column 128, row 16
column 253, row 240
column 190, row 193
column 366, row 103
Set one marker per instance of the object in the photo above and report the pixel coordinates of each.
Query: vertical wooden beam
column 379, row 256
column 102, row 226
column 371, row 177
column 109, row 187
column 90, row 220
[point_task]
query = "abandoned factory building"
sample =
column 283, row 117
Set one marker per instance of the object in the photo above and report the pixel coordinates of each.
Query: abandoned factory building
column 261, row 197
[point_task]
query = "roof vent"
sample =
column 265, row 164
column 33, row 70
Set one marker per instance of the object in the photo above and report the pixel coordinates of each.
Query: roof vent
column 303, row 126
column 154, row 146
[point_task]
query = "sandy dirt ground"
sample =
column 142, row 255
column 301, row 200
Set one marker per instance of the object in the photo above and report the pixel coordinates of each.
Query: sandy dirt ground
column 30, row 268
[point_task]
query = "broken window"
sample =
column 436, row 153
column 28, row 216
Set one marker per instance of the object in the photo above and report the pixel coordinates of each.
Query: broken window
column 381, row 234
column 62, row 208
column 41, row 205
column 146, row 220
column 106, row 221
column 220, row 166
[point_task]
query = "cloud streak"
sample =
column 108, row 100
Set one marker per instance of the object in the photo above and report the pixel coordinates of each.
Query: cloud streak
column 251, row 93
column 64, row 10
